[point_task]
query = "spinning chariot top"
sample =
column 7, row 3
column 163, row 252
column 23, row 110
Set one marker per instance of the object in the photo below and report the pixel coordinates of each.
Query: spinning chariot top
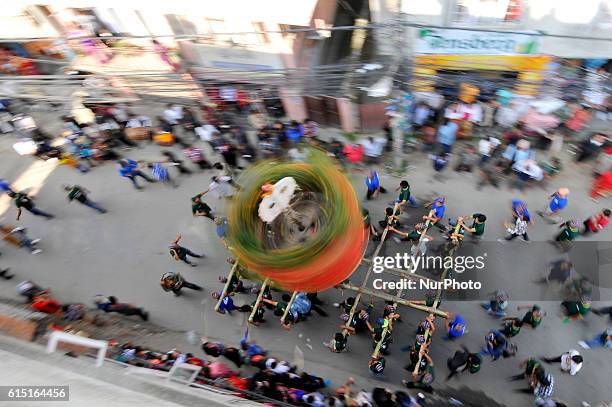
column 297, row 224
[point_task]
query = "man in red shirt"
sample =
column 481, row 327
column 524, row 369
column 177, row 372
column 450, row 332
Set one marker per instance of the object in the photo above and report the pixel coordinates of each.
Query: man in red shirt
column 596, row 223
column 46, row 304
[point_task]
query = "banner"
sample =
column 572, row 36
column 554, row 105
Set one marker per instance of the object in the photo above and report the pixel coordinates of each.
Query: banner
column 464, row 42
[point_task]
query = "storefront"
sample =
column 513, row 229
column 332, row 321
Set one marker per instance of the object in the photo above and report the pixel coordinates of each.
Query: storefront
column 446, row 58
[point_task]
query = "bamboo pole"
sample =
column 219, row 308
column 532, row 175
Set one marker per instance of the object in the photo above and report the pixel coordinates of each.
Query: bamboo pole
column 368, row 272
column 226, row 286
column 258, row 300
column 399, row 294
column 289, row 304
column 437, row 300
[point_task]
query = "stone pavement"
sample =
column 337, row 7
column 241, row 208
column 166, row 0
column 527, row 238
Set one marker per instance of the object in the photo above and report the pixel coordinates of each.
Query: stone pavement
column 124, row 253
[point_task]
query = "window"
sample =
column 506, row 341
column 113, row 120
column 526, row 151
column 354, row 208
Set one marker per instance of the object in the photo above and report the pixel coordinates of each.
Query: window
column 487, row 12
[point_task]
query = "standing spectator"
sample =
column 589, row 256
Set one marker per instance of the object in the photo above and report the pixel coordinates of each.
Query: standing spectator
column 311, row 129
column 80, row 194
column 447, row 135
column 571, row 362
column 295, row 131
column 111, row 304
column 558, row 201
column 23, row 201
column 422, row 113
column 180, row 253
column 173, row 114
column 372, row 149
column 596, row 223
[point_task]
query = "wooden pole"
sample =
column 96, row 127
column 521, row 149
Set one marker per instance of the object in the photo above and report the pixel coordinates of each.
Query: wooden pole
column 437, row 300
column 368, row 272
column 289, row 304
column 226, row 286
column 400, row 292
column 258, row 300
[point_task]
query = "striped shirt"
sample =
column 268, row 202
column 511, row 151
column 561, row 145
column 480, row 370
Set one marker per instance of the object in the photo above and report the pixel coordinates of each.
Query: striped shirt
column 160, row 172
column 194, row 154
column 543, row 391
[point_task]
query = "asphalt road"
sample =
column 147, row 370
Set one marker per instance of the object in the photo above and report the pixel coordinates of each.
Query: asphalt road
column 124, row 253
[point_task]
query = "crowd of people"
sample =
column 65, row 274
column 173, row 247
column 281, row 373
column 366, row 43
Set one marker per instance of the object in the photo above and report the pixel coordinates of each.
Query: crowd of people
column 116, row 130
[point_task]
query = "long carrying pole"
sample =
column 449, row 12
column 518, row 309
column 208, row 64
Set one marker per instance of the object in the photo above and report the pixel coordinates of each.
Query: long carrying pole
column 370, row 268
column 227, row 284
column 385, row 331
column 258, row 300
column 289, row 304
column 437, row 300
column 389, row 297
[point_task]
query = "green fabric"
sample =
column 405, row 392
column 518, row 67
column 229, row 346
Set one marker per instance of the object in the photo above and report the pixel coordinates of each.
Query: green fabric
column 404, row 194
column 199, row 207
column 22, row 200
column 529, row 319
column 339, row 346
column 76, row 193
column 568, row 234
column 480, row 227
column 414, row 235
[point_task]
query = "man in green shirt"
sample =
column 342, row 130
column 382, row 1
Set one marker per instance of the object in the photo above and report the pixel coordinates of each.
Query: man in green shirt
column 533, row 317
column 569, row 232
column 425, row 379
column 79, row 194
column 404, row 195
column 478, row 226
column 23, row 201
column 199, row 207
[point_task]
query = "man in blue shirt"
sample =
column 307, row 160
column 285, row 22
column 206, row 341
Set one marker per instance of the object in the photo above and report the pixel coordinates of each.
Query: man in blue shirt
column 437, row 213
column 5, row 186
column 519, row 209
column 558, row 201
column 373, row 184
column 227, row 304
column 455, row 327
column 129, row 169
column 447, row 134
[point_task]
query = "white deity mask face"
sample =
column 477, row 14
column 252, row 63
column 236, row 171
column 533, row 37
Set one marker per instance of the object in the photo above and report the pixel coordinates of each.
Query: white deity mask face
column 274, row 204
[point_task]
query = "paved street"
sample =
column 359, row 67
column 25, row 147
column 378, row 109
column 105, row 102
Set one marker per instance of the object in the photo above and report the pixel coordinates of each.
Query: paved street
column 124, row 252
